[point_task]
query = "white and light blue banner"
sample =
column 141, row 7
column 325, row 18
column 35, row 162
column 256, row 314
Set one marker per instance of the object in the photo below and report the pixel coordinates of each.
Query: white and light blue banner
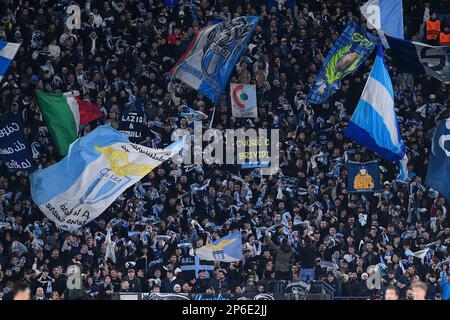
column 438, row 176
column 226, row 249
column 419, row 58
column 97, row 169
column 8, row 51
column 374, row 123
column 386, row 16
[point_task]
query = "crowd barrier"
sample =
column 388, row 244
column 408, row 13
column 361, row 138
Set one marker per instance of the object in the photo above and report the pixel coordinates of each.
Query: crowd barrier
column 315, row 290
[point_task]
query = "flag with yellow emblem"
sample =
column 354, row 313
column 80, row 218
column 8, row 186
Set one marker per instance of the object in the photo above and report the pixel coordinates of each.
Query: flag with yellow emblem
column 226, row 249
column 97, row 169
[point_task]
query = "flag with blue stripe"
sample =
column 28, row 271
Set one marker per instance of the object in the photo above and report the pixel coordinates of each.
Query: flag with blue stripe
column 226, row 249
column 386, row 16
column 191, row 114
column 207, row 64
column 97, row 169
column 438, row 176
column 419, row 58
column 8, row 51
column 374, row 123
column 349, row 51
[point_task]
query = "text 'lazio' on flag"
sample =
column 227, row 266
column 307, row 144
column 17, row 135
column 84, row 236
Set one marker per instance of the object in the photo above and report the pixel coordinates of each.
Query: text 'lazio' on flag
column 97, row 169
column 226, row 249
column 374, row 123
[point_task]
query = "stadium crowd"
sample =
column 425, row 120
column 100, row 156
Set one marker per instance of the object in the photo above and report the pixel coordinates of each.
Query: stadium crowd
column 122, row 54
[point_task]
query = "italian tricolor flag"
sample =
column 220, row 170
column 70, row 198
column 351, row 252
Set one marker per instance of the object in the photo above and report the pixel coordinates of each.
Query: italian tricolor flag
column 64, row 113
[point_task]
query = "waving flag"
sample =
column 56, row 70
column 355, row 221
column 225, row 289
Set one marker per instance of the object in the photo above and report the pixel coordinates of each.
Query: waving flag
column 374, row 123
column 191, row 114
column 207, row 64
column 226, row 249
column 386, row 16
column 8, row 51
column 243, row 100
column 64, row 113
column 110, row 245
column 348, row 53
column 97, row 169
column 418, row 254
column 419, row 58
column 439, row 168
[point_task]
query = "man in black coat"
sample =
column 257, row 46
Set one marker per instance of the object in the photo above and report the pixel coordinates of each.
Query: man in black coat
column 307, row 256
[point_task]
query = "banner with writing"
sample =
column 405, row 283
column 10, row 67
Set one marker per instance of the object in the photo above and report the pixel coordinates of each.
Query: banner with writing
column 13, row 147
column 363, row 177
column 131, row 125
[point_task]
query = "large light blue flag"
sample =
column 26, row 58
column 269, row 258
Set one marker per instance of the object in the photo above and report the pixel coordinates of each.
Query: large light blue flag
column 226, row 249
column 8, row 51
column 374, row 123
column 97, row 169
column 386, row 16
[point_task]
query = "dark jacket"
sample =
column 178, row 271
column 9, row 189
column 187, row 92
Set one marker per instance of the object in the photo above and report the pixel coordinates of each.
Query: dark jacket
column 282, row 258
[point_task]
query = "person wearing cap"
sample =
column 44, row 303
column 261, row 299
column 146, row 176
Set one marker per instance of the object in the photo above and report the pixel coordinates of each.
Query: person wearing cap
column 333, row 282
column 45, row 281
column 171, row 280
column 134, row 282
column 202, row 282
column 220, row 283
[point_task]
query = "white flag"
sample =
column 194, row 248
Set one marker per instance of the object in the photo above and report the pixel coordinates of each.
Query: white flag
column 110, row 247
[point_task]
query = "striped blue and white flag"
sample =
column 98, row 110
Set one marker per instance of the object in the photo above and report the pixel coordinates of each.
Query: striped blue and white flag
column 374, row 123
column 386, row 16
column 8, row 51
column 97, row 169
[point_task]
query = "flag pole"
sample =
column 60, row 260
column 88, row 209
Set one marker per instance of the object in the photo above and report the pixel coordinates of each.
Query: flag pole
column 212, row 116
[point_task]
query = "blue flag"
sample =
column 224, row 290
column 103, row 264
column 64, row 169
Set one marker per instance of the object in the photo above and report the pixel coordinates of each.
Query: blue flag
column 363, row 177
column 419, row 58
column 13, row 146
column 386, row 16
column 226, row 249
column 374, row 123
column 8, row 51
column 348, row 53
column 439, row 168
column 191, row 114
column 207, row 64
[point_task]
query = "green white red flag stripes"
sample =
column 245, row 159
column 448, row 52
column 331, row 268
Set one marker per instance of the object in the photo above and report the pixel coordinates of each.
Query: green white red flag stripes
column 64, row 113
